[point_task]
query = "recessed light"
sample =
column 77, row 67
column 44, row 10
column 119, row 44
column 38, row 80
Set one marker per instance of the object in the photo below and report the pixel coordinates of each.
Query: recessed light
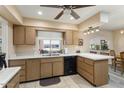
column 71, row 18
column 85, row 33
column 88, row 32
column 122, row 32
column 39, row 12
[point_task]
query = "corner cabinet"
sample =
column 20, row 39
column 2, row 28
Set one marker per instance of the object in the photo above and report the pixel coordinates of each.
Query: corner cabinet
column 71, row 37
column 23, row 35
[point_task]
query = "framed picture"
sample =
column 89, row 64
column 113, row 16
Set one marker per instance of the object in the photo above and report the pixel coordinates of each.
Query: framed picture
column 80, row 42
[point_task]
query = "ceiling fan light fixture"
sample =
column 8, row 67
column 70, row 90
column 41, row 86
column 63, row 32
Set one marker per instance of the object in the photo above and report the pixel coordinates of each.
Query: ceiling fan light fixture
column 71, row 18
column 88, row 32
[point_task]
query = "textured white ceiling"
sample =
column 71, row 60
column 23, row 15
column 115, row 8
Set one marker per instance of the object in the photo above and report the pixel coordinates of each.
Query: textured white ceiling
column 116, row 14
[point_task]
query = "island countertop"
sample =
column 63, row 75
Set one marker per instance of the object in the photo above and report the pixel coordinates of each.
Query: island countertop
column 7, row 74
column 91, row 56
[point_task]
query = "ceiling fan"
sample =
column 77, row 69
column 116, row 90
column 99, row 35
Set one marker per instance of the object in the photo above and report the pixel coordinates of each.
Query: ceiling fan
column 67, row 7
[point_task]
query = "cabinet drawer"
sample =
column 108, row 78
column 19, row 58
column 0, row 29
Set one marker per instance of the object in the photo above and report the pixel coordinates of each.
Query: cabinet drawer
column 88, row 61
column 16, row 62
column 52, row 59
column 79, row 64
column 87, row 68
column 13, row 82
column 85, row 75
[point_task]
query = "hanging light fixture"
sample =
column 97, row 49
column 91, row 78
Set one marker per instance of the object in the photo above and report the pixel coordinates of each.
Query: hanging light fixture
column 92, row 30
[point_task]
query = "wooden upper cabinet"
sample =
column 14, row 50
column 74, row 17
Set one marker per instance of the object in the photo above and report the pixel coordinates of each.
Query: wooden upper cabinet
column 75, row 37
column 24, row 35
column 33, row 69
column 30, row 35
column 19, row 35
column 68, row 38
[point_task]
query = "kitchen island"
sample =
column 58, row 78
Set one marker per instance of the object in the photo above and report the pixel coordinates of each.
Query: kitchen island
column 92, row 67
column 9, row 77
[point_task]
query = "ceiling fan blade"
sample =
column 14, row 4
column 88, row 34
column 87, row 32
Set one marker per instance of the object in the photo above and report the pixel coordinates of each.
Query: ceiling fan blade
column 59, row 15
column 74, row 14
column 81, row 6
column 52, row 6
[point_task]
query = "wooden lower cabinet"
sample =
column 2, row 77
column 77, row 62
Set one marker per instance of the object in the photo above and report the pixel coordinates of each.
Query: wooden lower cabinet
column 95, row 72
column 58, row 68
column 46, row 69
column 52, row 67
column 32, row 69
column 22, row 64
column 14, row 82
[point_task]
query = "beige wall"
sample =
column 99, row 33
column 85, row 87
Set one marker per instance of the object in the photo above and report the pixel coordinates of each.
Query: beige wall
column 0, row 30
column 92, row 21
column 96, row 37
column 107, row 35
column 11, row 50
column 118, row 41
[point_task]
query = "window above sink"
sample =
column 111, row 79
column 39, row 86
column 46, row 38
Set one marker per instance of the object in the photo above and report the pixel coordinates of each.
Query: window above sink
column 50, row 43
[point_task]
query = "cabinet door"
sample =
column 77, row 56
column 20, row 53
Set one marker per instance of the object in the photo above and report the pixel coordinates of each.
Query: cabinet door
column 46, row 69
column 33, row 69
column 75, row 37
column 19, row 35
column 68, row 38
column 58, row 68
column 30, row 35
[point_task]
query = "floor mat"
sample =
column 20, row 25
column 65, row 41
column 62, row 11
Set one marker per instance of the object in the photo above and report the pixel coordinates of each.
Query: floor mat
column 50, row 81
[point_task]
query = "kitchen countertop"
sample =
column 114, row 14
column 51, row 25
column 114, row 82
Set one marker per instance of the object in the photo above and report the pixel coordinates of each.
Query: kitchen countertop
column 91, row 56
column 7, row 74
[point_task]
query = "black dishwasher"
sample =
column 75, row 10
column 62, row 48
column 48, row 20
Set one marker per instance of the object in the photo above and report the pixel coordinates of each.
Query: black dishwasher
column 70, row 65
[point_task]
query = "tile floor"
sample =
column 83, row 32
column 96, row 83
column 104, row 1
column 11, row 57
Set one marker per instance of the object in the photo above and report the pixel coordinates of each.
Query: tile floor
column 76, row 81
